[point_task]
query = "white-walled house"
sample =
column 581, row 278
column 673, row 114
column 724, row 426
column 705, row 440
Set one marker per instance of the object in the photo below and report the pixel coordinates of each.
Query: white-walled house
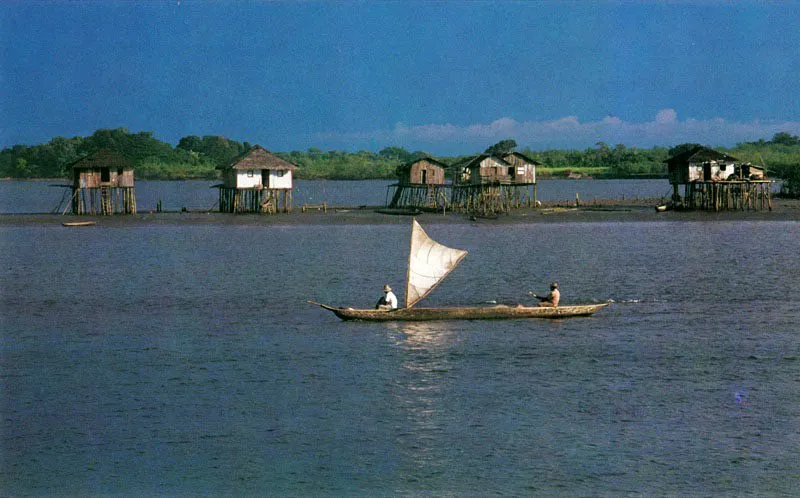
column 700, row 164
column 258, row 181
column 715, row 181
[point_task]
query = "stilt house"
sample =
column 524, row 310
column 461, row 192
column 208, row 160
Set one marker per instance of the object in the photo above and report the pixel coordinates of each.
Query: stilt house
column 716, row 181
column 523, row 168
column 487, row 184
column 483, row 169
column 256, row 182
column 103, row 183
column 421, row 184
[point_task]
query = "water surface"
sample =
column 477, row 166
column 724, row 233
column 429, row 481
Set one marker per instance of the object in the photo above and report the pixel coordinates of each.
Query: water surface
column 185, row 360
column 47, row 196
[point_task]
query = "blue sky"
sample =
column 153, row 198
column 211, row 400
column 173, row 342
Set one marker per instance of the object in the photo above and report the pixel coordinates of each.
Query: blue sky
column 447, row 77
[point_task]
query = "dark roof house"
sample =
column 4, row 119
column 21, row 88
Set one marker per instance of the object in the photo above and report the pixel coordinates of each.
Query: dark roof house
column 423, row 171
column 700, row 164
column 104, row 168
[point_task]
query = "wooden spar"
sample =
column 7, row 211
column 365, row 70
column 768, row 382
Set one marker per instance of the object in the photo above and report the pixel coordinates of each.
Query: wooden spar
column 408, row 266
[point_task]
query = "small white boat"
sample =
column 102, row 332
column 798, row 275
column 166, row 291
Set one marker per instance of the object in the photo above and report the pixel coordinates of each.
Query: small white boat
column 79, row 223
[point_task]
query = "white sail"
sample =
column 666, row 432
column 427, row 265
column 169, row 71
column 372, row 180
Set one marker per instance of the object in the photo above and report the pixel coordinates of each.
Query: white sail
column 428, row 263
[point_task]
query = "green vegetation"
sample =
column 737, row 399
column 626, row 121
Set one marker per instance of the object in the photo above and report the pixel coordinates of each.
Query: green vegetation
column 544, row 171
column 151, row 157
column 361, row 165
column 502, row 147
column 603, row 161
column 781, row 157
column 199, row 157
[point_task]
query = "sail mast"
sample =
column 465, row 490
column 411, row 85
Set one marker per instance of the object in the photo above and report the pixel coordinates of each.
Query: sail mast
column 414, row 224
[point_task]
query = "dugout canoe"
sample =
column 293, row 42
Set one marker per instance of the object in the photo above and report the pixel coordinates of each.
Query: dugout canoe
column 467, row 313
column 428, row 263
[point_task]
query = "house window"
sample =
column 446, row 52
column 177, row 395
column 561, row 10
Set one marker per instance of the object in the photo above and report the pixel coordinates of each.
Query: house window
column 280, row 173
column 249, row 173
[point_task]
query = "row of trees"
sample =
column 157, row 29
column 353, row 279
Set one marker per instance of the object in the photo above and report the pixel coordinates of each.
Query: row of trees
column 150, row 156
column 199, row 157
column 193, row 158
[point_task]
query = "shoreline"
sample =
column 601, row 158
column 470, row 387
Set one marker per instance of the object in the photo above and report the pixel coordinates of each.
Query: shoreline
column 640, row 210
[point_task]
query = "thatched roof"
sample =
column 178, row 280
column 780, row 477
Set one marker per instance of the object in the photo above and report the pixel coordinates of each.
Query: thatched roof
column 103, row 158
column 407, row 166
column 258, row 158
column 699, row 155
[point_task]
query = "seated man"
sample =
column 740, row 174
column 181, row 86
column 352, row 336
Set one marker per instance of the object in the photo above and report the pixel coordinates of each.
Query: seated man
column 388, row 301
column 550, row 300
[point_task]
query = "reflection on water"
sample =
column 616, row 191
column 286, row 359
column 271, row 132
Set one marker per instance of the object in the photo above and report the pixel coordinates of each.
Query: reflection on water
column 425, row 334
column 422, row 392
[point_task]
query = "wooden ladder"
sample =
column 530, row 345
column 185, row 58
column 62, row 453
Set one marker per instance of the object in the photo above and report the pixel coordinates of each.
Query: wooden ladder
column 106, row 205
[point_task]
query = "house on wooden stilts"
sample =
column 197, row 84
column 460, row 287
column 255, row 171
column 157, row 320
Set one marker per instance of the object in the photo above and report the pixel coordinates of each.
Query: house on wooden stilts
column 523, row 177
column 489, row 184
column 103, row 183
column 714, row 181
column 420, row 184
column 256, row 182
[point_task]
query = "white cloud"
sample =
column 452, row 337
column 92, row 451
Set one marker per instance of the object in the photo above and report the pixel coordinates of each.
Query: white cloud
column 567, row 132
column 667, row 116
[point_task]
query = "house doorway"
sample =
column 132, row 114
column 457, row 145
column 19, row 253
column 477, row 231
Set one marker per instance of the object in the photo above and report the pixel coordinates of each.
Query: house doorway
column 265, row 178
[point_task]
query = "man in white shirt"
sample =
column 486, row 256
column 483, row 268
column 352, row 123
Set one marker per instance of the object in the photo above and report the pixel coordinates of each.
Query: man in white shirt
column 388, row 301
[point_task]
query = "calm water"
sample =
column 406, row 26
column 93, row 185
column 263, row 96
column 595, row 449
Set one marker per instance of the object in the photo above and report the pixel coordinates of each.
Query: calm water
column 185, row 360
column 46, row 196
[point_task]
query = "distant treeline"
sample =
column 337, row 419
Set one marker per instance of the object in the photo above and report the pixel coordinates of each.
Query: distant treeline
column 198, row 157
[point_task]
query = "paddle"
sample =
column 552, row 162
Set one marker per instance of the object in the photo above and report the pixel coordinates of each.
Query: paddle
column 537, row 296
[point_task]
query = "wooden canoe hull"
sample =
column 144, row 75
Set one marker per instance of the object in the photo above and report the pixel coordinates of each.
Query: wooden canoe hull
column 472, row 313
column 79, row 223
column 399, row 211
